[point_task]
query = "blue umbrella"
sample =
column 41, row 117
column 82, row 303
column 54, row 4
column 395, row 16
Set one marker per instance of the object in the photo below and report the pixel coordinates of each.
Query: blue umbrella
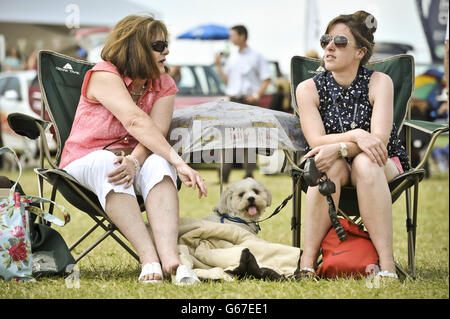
column 206, row 32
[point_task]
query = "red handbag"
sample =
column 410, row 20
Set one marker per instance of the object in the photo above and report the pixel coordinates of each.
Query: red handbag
column 348, row 258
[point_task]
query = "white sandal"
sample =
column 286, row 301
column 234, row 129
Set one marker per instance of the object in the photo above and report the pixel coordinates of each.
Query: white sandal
column 153, row 268
column 185, row 276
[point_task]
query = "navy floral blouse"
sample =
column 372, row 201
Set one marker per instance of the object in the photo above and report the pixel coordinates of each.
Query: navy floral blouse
column 344, row 109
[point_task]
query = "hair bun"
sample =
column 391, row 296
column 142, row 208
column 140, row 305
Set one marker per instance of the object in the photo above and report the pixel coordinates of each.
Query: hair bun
column 368, row 20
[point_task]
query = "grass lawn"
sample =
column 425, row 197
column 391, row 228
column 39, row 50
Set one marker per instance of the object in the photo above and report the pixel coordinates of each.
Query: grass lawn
column 109, row 272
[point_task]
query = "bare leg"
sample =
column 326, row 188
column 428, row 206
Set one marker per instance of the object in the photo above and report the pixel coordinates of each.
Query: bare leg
column 317, row 221
column 375, row 206
column 125, row 213
column 162, row 211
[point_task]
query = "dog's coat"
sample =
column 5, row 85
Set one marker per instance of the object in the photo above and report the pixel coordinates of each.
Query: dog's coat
column 242, row 203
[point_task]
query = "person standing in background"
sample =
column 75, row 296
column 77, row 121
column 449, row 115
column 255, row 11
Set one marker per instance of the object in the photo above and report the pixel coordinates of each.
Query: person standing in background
column 13, row 60
column 247, row 75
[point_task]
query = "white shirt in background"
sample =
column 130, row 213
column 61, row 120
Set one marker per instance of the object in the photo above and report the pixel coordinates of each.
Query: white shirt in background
column 245, row 71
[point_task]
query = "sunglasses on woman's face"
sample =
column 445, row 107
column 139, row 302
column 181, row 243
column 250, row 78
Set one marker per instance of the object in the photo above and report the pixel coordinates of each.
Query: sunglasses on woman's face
column 340, row 41
column 160, row 46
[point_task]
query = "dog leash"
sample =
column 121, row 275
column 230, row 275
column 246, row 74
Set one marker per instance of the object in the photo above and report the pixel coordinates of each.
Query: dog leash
column 296, row 175
column 258, row 228
column 277, row 210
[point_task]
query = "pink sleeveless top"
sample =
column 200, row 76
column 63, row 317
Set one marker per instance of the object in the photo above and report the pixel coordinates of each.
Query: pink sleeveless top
column 95, row 126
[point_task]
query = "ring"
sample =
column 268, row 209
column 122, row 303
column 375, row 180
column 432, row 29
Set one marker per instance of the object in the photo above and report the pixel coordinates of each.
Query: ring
column 127, row 178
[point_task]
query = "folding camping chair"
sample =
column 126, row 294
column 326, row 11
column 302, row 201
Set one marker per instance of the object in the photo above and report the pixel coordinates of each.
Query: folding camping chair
column 401, row 69
column 60, row 80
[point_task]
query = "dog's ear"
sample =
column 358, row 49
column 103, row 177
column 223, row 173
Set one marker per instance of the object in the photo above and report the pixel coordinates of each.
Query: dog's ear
column 268, row 195
column 225, row 198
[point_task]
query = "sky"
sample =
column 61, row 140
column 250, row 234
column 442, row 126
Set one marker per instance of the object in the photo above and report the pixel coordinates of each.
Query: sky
column 278, row 28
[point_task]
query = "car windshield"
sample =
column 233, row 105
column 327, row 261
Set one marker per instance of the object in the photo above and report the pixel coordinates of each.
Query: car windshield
column 199, row 80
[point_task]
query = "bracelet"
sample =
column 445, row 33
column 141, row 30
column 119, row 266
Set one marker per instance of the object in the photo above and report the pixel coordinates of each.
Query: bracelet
column 137, row 167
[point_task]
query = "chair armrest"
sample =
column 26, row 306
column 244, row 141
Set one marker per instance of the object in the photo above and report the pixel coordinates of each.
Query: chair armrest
column 31, row 127
column 26, row 125
column 432, row 128
column 427, row 127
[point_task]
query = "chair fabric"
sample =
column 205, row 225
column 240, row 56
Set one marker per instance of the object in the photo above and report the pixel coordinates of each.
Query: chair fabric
column 60, row 79
column 401, row 70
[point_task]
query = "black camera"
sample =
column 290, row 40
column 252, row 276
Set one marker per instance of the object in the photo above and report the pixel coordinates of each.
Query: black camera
column 311, row 174
column 313, row 177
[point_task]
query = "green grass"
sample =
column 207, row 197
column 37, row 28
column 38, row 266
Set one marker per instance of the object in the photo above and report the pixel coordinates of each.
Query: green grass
column 109, row 272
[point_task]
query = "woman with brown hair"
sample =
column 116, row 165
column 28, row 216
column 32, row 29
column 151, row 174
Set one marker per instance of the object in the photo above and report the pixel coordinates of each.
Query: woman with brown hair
column 117, row 146
column 346, row 114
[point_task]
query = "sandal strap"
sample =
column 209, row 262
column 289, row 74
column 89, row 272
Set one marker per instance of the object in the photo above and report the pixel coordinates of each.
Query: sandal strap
column 153, row 268
column 385, row 273
column 308, row 269
column 185, row 276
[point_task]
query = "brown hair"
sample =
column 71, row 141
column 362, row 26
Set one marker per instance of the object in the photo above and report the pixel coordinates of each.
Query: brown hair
column 128, row 46
column 241, row 30
column 362, row 25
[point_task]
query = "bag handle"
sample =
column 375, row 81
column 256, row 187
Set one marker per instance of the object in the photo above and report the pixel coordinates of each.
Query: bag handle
column 44, row 214
column 9, row 150
column 28, row 199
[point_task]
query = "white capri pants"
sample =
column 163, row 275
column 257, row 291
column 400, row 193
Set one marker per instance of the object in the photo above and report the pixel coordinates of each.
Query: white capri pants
column 92, row 171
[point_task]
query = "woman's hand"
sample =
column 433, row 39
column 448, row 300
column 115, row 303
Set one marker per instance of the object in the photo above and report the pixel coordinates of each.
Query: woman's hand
column 192, row 178
column 124, row 173
column 324, row 156
column 372, row 146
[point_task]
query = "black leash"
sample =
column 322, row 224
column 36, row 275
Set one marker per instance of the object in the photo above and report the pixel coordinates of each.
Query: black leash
column 258, row 228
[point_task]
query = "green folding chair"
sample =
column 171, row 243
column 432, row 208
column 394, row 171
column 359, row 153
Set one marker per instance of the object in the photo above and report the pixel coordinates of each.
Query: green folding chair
column 401, row 69
column 60, row 80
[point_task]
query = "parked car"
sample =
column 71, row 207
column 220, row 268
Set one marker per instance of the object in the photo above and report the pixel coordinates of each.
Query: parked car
column 201, row 84
column 386, row 49
column 196, row 84
column 19, row 92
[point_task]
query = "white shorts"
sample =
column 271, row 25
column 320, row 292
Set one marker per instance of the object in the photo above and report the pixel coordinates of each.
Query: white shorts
column 92, row 171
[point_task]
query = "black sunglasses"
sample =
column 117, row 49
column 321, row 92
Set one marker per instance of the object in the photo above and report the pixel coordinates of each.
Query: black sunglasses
column 160, row 46
column 340, row 41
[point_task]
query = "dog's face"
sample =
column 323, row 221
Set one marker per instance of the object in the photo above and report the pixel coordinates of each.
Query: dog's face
column 246, row 199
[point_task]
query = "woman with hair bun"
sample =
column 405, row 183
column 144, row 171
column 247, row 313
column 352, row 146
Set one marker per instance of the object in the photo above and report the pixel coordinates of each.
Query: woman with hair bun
column 346, row 114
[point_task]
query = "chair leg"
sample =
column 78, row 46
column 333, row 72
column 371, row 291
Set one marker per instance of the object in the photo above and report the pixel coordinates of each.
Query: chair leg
column 401, row 270
column 41, row 194
column 410, row 233
column 110, row 232
column 95, row 244
column 86, row 234
column 414, row 228
column 296, row 212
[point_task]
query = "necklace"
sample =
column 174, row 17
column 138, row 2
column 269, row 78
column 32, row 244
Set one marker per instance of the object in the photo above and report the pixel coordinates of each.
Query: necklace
column 353, row 123
column 141, row 92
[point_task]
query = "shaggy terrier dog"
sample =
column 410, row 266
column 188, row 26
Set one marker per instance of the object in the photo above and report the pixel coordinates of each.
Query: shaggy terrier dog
column 242, row 203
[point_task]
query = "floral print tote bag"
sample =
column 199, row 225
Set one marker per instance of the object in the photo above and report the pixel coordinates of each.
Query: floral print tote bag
column 15, row 246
